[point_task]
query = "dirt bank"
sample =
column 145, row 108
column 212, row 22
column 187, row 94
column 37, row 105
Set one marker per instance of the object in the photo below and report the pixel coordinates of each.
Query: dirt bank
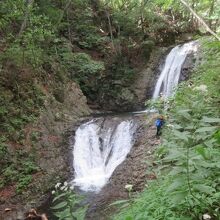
column 50, row 149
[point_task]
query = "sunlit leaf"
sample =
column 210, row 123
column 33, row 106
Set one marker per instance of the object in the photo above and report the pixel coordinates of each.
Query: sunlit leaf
column 176, row 185
column 201, row 151
column 129, row 218
column 207, row 129
column 60, row 205
column 185, row 114
column 178, row 197
column 59, row 196
column 181, row 135
column 119, row 202
column 203, row 188
column 210, row 120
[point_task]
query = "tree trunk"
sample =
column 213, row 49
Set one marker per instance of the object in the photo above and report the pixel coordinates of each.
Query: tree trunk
column 65, row 8
column 26, row 16
column 192, row 16
column 200, row 20
column 217, row 23
column 142, row 16
column 95, row 5
column 110, row 28
column 211, row 12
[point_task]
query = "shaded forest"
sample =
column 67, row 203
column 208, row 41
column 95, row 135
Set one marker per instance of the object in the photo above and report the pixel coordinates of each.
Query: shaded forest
column 100, row 46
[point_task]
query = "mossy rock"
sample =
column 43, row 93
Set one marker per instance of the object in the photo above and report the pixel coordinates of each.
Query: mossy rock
column 59, row 94
column 147, row 47
column 126, row 96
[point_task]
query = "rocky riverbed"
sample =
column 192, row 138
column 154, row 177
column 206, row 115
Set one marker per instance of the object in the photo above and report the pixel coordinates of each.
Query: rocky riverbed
column 132, row 171
column 53, row 153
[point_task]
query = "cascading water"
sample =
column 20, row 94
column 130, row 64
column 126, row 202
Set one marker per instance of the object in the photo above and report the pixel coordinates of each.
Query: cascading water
column 99, row 148
column 170, row 74
column 101, row 145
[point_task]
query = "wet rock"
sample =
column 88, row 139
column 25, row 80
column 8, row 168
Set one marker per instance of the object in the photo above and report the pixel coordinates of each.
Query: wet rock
column 146, row 79
column 133, row 96
column 188, row 66
column 190, row 63
column 131, row 171
column 126, row 97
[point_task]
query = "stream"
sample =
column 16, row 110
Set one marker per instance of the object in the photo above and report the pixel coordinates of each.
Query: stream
column 103, row 143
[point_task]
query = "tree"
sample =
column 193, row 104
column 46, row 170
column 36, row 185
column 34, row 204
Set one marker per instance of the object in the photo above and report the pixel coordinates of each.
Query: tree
column 29, row 5
column 200, row 20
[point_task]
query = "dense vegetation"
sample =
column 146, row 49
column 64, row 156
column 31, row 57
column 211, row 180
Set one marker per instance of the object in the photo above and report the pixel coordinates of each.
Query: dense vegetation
column 187, row 184
column 100, row 45
column 46, row 44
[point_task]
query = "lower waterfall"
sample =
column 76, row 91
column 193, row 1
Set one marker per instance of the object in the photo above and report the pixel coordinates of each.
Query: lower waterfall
column 100, row 146
column 103, row 143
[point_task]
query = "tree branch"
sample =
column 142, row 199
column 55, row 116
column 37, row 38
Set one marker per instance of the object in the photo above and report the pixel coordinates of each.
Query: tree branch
column 200, row 20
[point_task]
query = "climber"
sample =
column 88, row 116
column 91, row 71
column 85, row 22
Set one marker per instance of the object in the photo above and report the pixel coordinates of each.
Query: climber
column 159, row 124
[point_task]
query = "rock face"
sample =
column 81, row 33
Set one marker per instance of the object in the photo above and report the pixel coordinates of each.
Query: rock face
column 146, row 79
column 50, row 149
column 132, row 171
column 132, row 96
column 189, row 64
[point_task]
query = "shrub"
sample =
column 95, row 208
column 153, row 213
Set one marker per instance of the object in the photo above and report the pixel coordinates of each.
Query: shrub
column 84, row 70
column 67, row 205
column 23, row 182
column 188, row 159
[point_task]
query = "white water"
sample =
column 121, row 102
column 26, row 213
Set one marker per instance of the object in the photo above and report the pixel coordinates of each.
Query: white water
column 98, row 151
column 170, row 73
column 100, row 147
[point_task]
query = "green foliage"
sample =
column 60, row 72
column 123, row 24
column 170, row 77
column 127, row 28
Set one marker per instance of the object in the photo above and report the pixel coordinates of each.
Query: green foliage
column 46, row 44
column 35, row 135
column 84, row 70
column 3, row 149
column 23, row 182
column 10, row 173
column 153, row 204
column 82, row 64
column 119, row 74
column 20, row 171
column 18, row 107
column 67, row 204
column 29, row 167
column 57, row 34
column 147, row 47
column 27, row 48
column 188, row 159
column 207, row 9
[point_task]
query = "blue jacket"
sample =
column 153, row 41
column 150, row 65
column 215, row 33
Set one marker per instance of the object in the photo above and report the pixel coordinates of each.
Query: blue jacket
column 159, row 122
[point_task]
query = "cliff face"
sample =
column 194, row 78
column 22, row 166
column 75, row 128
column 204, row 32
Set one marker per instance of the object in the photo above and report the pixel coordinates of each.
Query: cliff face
column 45, row 139
column 42, row 143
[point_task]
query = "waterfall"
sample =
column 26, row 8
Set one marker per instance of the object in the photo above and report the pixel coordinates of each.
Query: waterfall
column 102, row 144
column 170, row 73
column 99, row 148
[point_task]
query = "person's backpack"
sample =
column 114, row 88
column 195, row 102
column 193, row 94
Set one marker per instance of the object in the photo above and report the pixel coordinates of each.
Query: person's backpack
column 159, row 123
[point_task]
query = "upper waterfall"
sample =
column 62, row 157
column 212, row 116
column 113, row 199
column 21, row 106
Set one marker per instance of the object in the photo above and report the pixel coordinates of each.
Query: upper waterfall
column 100, row 146
column 171, row 71
column 103, row 143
